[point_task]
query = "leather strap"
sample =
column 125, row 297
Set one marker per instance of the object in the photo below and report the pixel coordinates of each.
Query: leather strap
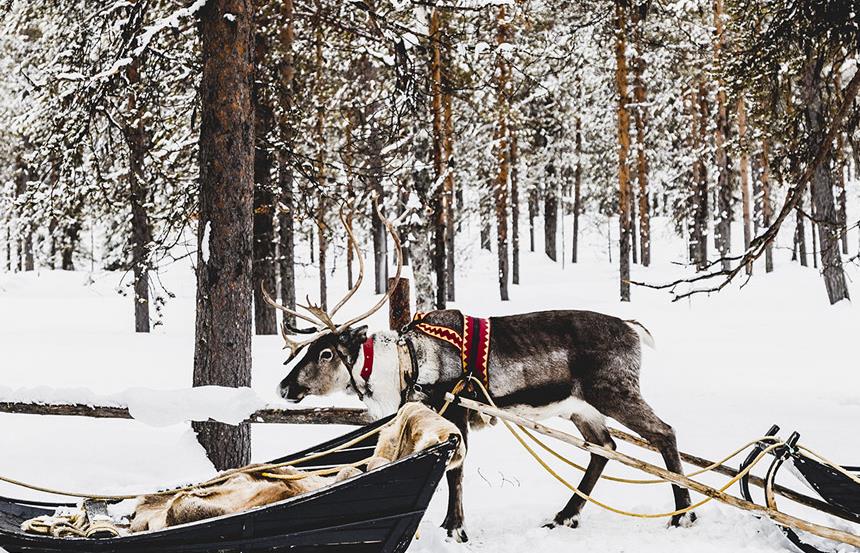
column 367, row 366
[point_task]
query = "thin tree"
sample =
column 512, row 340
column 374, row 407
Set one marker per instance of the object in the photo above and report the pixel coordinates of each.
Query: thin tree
column 824, row 209
column 440, row 200
column 222, row 352
column 286, row 211
column 502, row 150
column 640, row 119
column 745, row 175
column 263, row 271
column 515, row 206
column 722, row 132
column 623, row 149
column 450, row 227
column 577, row 187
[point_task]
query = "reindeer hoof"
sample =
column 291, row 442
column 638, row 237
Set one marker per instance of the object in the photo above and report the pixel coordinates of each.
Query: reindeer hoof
column 457, row 534
column 685, row 520
column 563, row 520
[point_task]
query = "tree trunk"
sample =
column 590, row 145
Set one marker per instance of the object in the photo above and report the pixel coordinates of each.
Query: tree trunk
column 839, row 166
column 623, row 149
column 634, row 247
column 322, row 204
column 25, row 252
column 699, row 197
column 141, row 233
column 440, row 208
column 222, row 352
column 533, row 212
column 745, row 179
column 515, row 208
column 380, row 242
column 263, row 271
column 550, row 215
column 71, row 236
column 286, row 214
column 640, row 120
column 286, row 229
column 502, row 152
column 577, row 190
column 486, row 215
column 722, row 132
column 8, row 249
column 822, row 185
column 449, row 196
column 766, row 206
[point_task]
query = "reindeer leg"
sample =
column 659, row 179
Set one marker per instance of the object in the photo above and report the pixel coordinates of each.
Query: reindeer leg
column 454, row 522
column 592, row 426
column 639, row 417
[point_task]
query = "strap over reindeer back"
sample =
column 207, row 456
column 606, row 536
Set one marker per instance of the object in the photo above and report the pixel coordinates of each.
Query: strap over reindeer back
column 473, row 344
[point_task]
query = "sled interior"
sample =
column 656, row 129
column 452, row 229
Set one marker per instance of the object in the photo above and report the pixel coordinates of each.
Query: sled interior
column 377, row 511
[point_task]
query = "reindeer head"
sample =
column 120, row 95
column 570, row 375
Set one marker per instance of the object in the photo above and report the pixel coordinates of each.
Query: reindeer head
column 322, row 363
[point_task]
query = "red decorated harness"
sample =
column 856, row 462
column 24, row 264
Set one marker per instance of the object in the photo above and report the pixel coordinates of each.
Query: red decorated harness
column 473, row 344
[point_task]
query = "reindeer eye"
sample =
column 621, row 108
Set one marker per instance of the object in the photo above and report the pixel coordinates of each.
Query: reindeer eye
column 326, row 355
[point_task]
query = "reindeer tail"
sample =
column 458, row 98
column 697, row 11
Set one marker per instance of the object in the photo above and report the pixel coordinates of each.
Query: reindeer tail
column 643, row 333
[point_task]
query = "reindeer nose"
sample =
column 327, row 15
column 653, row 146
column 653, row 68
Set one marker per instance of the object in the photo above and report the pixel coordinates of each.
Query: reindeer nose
column 291, row 391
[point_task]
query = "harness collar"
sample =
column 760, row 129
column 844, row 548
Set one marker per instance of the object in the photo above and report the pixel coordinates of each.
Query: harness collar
column 407, row 362
column 367, row 365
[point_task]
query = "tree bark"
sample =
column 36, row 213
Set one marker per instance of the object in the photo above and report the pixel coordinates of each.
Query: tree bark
column 722, row 132
column 623, row 149
column 766, row 205
column 640, row 120
column 515, row 208
column 399, row 306
column 286, row 213
column 550, row 215
column 450, row 228
column 25, row 251
column 222, row 352
column 440, row 208
column 533, row 212
column 577, row 190
column 502, row 152
column 141, row 233
column 745, row 177
column 263, row 269
column 319, row 127
column 486, row 214
column 699, row 197
column 380, row 241
column 822, row 185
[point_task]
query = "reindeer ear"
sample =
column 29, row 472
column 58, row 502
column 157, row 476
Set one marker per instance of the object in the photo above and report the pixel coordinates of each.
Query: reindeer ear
column 354, row 336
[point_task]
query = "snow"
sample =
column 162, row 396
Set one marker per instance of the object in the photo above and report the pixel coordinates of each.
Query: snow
column 726, row 367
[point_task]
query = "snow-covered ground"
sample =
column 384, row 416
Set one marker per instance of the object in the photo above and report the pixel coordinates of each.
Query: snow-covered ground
column 725, row 368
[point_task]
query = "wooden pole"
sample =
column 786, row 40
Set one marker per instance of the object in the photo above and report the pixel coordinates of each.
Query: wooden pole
column 679, row 479
column 701, row 462
column 314, row 415
column 399, row 306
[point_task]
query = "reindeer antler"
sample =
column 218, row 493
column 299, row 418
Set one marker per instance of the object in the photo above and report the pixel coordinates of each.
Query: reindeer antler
column 322, row 320
column 396, row 239
column 286, row 309
column 354, row 245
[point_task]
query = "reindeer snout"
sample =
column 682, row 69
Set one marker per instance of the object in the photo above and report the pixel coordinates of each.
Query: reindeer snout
column 291, row 391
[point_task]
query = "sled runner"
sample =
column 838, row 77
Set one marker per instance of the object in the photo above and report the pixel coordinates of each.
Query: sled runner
column 841, row 490
column 377, row 511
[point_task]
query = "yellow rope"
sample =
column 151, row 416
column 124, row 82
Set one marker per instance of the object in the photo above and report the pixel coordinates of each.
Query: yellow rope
column 588, row 498
column 708, row 468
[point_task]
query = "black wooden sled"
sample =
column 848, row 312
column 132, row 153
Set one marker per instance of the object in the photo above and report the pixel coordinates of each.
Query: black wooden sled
column 839, row 491
column 376, row 512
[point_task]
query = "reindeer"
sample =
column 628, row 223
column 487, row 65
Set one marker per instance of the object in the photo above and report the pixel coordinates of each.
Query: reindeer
column 579, row 365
